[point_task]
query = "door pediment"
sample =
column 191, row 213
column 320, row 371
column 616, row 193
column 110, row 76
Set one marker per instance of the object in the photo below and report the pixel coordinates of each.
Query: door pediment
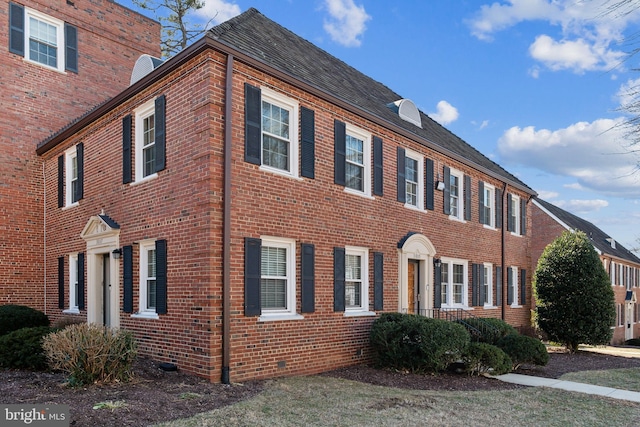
column 100, row 227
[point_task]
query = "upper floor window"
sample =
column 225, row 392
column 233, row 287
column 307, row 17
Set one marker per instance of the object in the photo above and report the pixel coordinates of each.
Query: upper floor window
column 72, row 183
column 71, row 176
column 454, row 282
column 352, row 158
column 149, row 146
column 279, row 132
column 410, row 178
column 42, row 39
column 455, row 198
column 514, row 213
column 487, row 204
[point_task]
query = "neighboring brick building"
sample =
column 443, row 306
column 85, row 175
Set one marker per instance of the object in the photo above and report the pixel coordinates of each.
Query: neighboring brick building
column 58, row 59
column 253, row 203
column 623, row 266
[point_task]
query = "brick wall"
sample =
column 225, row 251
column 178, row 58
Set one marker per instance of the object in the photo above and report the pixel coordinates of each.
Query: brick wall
column 37, row 101
column 184, row 206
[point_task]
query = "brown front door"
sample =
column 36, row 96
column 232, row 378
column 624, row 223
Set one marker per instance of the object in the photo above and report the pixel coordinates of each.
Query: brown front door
column 413, row 291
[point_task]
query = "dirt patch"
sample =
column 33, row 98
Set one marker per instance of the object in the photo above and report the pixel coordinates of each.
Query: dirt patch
column 155, row 395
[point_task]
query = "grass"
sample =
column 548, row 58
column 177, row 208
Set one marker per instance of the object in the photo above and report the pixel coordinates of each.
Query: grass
column 110, row 404
column 625, row 379
column 324, row 401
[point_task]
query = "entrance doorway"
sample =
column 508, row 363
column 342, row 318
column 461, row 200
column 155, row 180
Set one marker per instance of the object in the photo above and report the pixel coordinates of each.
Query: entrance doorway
column 106, row 290
column 413, row 288
column 415, row 271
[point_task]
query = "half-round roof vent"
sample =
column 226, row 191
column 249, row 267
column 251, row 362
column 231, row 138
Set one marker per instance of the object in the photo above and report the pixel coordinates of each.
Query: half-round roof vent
column 407, row 111
column 143, row 66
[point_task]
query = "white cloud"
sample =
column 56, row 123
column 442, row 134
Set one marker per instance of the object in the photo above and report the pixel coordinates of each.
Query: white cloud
column 589, row 30
column 581, row 207
column 547, row 195
column 629, row 93
column 574, row 186
column 591, row 153
column 346, row 23
column 218, row 11
column 446, row 113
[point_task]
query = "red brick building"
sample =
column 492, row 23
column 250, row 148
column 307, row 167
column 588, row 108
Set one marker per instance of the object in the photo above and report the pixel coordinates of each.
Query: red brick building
column 251, row 205
column 59, row 59
column 549, row 221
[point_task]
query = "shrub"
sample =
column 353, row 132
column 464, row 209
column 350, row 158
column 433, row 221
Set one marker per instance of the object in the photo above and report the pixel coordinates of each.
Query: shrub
column 14, row 317
column 491, row 329
column 91, row 353
column 416, row 343
column 483, row 358
column 22, row 349
column 522, row 349
column 633, row 342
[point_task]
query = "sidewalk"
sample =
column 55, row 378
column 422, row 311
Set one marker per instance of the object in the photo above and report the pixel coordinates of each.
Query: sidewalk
column 613, row 393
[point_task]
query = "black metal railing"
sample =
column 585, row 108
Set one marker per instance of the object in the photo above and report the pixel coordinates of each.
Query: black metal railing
column 476, row 326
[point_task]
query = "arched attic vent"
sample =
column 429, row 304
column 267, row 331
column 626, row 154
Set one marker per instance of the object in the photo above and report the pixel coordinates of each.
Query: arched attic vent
column 407, row 111
column 143, row 66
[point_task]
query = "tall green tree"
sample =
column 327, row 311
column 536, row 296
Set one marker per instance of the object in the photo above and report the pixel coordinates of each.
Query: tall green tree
column 574, row 299
column 177, row 31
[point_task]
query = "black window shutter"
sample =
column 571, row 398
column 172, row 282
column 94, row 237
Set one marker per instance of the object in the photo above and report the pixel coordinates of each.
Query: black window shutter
column 498, row 208
column 523, row 217
column 80, row 160
column 510, row 285
column 402, row 187
column 61, row 282
column 467, row 198
column 252, row 124
column 81, row 281
column 161, row 132
column 475, row 291
column 126, row 149
column 340, row 155
column 378, row 171
column 161, row 276
column 16, row 29
column 252, row 275
column 60, row 181
column 308, row 142
column 437, row 286
column 481, row 293
column 510, row 224
column 447, row 191
column 127, row 279
column 481, row 217
column 307, row 268
column 523, row 286
column 339, row 279
column 429, row 184
column 378, row 281
column 498, row 286
column 71, row 48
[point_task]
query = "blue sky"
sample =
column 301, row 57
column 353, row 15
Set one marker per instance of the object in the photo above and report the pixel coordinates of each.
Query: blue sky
column 536, row 85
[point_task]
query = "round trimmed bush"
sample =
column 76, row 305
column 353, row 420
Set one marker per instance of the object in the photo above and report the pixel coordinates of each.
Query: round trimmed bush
column 22, row 349
column 416, row 343
column 482, row 358
column 522, row 349
column 14, row 317
column 487, row 329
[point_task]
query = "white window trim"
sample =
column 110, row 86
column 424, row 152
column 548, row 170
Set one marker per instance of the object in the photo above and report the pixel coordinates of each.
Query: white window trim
column 292, row 105
column 366, row 152
column 291, row 311
column 515, row 209
column 465, row 287
column 60, row 41
column 420, row 196
column 363, row 310
column 69, row 155
column 145, row 246
column 515, row 283
column 612, row 268
column 489, row 269
column 492, row 204
column 73, row 279
column 142, row 112
column 460, row 214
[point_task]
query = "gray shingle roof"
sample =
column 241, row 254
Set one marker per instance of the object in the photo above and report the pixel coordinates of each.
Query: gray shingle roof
column 262, row 39
column 597, row 236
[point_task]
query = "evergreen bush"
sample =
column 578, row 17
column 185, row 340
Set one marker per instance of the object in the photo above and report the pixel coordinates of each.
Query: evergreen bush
column 523, row 349
column 481, row 358
column 90, row 353
column 491, row 329
column 14, row 317
column 22, row 349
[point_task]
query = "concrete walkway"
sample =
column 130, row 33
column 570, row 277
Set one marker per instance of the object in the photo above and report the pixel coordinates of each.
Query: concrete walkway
column 614, row 393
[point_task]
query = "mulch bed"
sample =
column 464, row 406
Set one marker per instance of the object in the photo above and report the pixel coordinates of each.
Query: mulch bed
column 155, row 396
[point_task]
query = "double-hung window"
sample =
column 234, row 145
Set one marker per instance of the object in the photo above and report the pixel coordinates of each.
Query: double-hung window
column 71, row 176
column 454, row 194
column 73, row 283
column 355, row 169
column 414, row 180
column 148, row 289
column 488, row 285
column 514, row 217
column 513, row 283
column 278, row 277
column 279, row 133
column 72, row 182
column 487, row 204
column 454, row 283
column 356, row 279
column 145, row 155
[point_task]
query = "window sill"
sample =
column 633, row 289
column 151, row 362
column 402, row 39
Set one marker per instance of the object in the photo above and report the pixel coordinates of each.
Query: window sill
column 414, row 208
column 358, row 313
column 489, row 227
column 516, row 234
column 280, row 316
column 40, row 64
column 358, row 193
column 145, row 179
column 455, row 218
column 71, row 311
column 515, row 306
column 72, row 205
column 490, row 307
column 148, row 315
column 456, row 307
column 280, row 172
